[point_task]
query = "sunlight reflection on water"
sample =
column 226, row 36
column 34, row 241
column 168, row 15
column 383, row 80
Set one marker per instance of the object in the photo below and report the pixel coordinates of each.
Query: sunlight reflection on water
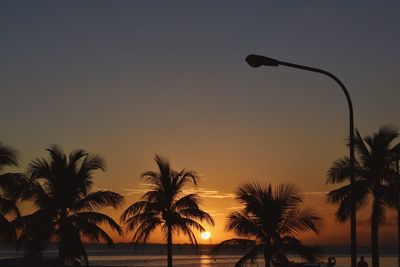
column 205, row 261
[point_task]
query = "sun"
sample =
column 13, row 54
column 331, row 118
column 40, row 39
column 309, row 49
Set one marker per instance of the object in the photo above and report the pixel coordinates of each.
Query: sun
column 205, row 235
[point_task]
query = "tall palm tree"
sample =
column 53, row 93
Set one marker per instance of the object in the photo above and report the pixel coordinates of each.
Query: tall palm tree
column 10, row 186
column 61, row 189
column 374, row 170
column 269, row 223
column 165, row 206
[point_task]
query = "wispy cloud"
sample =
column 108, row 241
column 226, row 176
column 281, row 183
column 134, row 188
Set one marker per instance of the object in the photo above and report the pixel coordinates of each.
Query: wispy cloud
column 314, row 193
column 201, row 191
column 209, row 193
column 139, row 190
column 215, row 213
column 235, row 208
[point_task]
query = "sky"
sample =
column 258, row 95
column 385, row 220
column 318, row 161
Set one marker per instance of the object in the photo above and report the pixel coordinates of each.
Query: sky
column 131, row 79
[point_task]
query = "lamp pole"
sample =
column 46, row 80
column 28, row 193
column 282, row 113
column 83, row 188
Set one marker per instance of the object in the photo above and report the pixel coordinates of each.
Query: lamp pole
column 398, row 211
column 256, row 61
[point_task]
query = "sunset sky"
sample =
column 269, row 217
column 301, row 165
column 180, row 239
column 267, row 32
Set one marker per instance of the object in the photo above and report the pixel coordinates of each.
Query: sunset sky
column 131, row 79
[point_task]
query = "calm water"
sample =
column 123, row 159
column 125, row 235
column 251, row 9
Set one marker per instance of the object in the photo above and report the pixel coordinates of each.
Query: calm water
column 207, row 261
column 125, row 258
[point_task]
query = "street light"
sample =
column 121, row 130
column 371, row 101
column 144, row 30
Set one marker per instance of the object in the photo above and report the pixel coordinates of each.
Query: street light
column 256, row 61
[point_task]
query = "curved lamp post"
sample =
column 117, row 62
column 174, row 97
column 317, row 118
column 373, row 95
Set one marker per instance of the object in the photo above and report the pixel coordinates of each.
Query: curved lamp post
column 256, row 61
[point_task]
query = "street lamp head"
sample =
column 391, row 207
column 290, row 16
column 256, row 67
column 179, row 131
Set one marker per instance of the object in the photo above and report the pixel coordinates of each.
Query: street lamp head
column 256, row 61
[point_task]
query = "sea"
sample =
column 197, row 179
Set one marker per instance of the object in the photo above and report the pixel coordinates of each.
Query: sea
column 153, row 255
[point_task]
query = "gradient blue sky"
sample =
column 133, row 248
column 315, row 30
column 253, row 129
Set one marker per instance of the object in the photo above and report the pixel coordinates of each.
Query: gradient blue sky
column 129, row 79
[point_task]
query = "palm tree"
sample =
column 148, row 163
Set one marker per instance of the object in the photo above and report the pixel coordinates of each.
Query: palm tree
column 10, row 186
column 269, row 223
column 165, row 206
column 374, row 169
column 61, row 189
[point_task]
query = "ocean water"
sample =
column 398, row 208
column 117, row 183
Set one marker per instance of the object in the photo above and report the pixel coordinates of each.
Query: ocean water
column 209, row 261
column 154, row 256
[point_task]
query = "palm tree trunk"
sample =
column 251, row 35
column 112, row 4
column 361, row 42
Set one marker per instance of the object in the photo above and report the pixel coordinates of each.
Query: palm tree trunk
column 169, row 246
column 267, row 257
column 61, row 243
column 374, row 242
column 353, row 235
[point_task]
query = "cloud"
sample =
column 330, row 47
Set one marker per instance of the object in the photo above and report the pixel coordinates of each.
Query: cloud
column 209, row 193
column 215, row 213
column 139, row 190
column 202, row 192
column 235, row 208
column 314, row 193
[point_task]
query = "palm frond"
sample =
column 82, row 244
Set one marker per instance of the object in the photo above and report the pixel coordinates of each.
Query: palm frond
column 166, row 173
column 40, row 168
column 90, row 163
column 197, row 214
column 186, row 229
column 185, row 177
column 13, row 184
column 243, row 225
column 188, row 201
column 348, row 196
column 389, row 194
column 35, row 231
column 99, row 199
column 286, row 197
column 98, row 218
column 152, row 178
column 300, row 219
column 140, row 207
column 58, row 160
column 74, row 157
column 395, row 150
column 340, row 171
column 247, row 193
column 187, row 222
column 8, row 156
column 91, row 230
column 144, row 230
column 135, row 220
column 35, row 193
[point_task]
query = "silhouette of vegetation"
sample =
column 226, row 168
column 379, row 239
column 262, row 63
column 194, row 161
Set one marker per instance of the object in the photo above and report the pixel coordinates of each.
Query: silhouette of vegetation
column 61, row 190
column 165, row 206
column 375, row 170
column 269, row 223
column 395, row 185
column 10, row 188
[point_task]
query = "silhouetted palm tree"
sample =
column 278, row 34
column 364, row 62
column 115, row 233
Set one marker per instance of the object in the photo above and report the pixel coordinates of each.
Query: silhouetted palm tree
column 10, row 188
column 165, row 206
column 61, row 189
column 374, row 170
column 269, row 223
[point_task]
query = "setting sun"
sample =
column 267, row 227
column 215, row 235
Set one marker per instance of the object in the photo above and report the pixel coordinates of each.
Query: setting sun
column 205, row 235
